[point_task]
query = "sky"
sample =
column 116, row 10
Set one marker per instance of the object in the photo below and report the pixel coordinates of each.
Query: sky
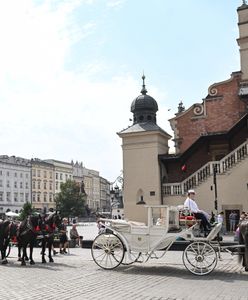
column 69, row 70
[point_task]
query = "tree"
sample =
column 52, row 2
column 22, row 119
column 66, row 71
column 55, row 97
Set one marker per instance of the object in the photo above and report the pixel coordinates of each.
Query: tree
column 26, row 210
column 71, row 199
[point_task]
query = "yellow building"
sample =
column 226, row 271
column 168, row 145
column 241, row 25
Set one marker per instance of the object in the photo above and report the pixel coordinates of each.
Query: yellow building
column 42, row 185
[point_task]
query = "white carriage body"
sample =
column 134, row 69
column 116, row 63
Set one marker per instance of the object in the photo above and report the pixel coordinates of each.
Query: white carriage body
column 160, row 232
column 125, row 242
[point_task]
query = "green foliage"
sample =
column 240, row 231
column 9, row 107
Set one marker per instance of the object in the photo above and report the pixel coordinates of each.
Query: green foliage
column 71, row 200
column 26, row 210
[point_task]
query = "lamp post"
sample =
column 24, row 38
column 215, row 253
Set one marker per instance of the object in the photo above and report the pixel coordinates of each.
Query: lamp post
column 215, row 188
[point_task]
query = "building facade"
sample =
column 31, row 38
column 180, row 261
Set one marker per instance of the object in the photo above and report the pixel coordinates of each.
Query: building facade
column 43, row 187
column 63, row 171
column 96, row 187
column 38, row 181
column 15, row 183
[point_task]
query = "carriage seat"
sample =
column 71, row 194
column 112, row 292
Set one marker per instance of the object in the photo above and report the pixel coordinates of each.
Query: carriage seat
column 187, row 219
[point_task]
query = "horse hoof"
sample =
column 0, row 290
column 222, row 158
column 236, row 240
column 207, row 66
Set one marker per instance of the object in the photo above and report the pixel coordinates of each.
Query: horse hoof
column 19, row 259
column 23, row 263
column 43, row 261
column 51, row 260
column 4, row 262
column 26, row 258
column 246, row 269
column 32, row 262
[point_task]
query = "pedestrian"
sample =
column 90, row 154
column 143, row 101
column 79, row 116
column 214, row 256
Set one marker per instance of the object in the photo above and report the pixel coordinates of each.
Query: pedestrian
column 232, row 220
column 74, row 236
column 191, row 205
column 63, row 239
column 220, row 219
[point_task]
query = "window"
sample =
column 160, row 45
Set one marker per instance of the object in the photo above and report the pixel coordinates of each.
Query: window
column 50, row 197
column 21, row 175
column 57, row 185
column 50, row 175
column 38, row 173
column 8, row 183
column 45, row 174
column 1, row 196
column 16, row 197
column 8, row 173
column 38, row 197
column 15, row 184
column 26, row 197
column 57, row 176
column 33, row 184
column 33, row 197
column 21, row 197
column 1, row 183
column 21, row 185
column 38, row 184
column 1, row 172
column 34, row 173
column 50, row 185
column 45, row 185
column 27, row 176
column 8, row 195
column 15, row 174
column 45, row 197
column 61, row 176
column 26, row 185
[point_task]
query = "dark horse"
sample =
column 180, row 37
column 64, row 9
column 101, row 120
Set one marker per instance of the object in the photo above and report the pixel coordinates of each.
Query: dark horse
column 48, row 227
column 8, row 230
column 26, row 235
column 243, row 239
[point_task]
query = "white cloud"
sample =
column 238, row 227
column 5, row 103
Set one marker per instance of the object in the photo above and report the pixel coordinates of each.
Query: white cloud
column 48, row 111
column 115, row 3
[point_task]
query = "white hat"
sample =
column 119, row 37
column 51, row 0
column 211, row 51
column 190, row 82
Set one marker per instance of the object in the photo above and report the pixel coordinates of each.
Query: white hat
column 191, row 191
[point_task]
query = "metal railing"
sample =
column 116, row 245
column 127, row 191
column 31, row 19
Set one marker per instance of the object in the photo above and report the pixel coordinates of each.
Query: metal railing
column 220, row 167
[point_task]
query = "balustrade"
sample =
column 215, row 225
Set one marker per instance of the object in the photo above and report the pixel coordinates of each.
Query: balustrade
column 206, row 171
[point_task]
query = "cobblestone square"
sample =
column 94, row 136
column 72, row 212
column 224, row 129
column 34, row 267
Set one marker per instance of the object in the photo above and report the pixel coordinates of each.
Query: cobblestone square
column 76, row 276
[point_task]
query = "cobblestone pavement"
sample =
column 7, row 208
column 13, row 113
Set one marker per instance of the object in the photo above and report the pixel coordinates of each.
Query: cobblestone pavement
column 76, row 276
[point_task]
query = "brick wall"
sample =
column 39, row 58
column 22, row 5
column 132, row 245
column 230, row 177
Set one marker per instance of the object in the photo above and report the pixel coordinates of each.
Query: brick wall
column 221, row 109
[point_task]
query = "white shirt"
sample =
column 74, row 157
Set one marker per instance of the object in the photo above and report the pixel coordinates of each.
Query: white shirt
column 191, row 205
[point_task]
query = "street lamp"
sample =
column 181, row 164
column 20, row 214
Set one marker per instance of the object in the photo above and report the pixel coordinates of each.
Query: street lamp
column 215, row 188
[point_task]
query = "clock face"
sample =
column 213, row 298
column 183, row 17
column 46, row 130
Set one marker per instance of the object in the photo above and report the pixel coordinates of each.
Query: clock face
column 243, row 91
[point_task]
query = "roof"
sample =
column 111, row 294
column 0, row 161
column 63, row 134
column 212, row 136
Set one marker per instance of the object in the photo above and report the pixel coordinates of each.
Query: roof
column 143, row 127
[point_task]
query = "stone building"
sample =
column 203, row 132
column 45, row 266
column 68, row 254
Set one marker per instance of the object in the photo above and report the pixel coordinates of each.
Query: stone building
column 210, row 141
column 62, row 171
column 43, row 187
column 96, row 187
column 15, row 183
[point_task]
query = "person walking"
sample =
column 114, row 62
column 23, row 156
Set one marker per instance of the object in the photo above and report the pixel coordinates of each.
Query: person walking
column 191, row 205
column 63, row 237
column 232, row 220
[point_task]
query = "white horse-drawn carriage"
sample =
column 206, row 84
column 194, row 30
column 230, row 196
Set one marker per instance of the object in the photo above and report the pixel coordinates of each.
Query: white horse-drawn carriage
column 126, row 242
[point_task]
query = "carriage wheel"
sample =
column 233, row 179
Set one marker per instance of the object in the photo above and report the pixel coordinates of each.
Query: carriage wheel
column 200, row 258
column 130, row 258
column 107, row 251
